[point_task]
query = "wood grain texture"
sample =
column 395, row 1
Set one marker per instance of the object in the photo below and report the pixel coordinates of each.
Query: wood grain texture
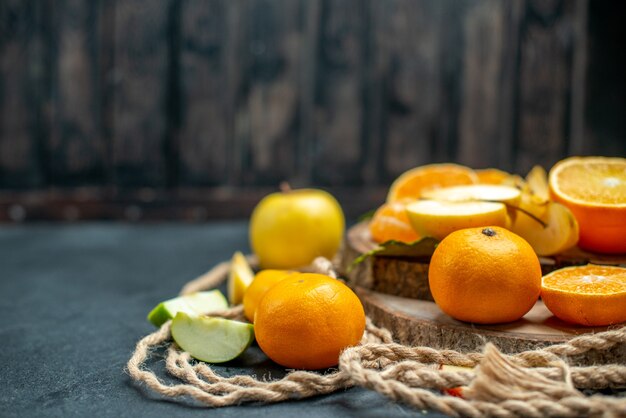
column 267, row 111
column 193, row 93
column 21, row 96
column 484, row 59
column 604, row 82
column 76, row 147
column 422, row 323
column 545, row 70
column 339, row 110
column 407, row 61
column 187, row 204
column 140, row 92
column 401, row 276
column 206, row 100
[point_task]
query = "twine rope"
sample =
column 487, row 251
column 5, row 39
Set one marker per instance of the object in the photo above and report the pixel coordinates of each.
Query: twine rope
column 533, row 383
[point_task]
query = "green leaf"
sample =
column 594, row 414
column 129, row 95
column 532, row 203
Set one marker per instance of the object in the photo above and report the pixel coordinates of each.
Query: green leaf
column 423, row 247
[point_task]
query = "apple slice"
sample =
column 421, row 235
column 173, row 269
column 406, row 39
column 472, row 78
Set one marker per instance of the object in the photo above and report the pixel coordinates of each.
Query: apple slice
column 193, row 304
column 559, row 234
column 508, row 195
column 214, row 340
column 438, row 219
column 537, row 185
column 484, row 192
column 239, row 278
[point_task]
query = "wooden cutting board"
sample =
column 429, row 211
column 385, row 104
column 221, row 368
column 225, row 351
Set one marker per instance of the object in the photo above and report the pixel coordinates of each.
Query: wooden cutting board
column 395, row 294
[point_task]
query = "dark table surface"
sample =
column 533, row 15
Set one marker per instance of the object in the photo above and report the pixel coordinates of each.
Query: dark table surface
column 73, row 302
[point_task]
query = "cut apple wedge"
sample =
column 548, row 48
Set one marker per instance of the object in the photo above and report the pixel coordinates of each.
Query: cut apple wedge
column 483, row 192
column 239, row 278
column 537, row 185
column 559, row 234
column 214, row 340
column 508, row 195
column 437, row 219
column 193, row 304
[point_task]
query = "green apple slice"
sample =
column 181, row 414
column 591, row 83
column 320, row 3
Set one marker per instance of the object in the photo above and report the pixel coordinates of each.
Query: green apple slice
column 239, row 278
column 214, row 340
column 193, row 304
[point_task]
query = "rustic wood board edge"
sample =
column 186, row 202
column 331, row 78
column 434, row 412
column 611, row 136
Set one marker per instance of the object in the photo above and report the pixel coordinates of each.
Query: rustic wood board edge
column 416, row 326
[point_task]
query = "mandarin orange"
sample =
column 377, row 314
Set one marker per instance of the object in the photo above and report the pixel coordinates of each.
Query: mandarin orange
column 307, row 319
column 484, row 275
column 262, row 282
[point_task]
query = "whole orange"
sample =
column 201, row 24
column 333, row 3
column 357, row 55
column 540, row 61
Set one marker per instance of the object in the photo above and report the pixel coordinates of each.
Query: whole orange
column 307, row 319
column 262, row 282
column 485, row 275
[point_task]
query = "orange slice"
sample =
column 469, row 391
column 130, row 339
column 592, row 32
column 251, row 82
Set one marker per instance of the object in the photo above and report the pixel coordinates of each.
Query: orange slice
column 412, row 183
column 589, row 295
column 390, row 222
column 594, row 189
column 499, row 177
column 491, row 176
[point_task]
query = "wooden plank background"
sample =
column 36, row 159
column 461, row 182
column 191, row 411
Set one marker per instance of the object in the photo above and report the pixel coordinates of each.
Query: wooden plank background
column 196, row 108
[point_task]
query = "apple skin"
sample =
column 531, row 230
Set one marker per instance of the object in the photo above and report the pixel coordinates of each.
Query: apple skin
column 290, row 229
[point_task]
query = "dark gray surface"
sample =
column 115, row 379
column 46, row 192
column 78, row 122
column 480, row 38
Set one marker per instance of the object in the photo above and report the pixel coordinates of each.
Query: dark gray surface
column 73, row 301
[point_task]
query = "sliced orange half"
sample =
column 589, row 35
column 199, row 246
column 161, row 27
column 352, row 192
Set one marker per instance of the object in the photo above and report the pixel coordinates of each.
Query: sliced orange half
column 594, row 189
column 411, row 184
column 588, row 295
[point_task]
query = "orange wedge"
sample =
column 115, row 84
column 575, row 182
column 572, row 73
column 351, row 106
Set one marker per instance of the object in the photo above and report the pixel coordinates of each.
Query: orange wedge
column 594, row 189
column 589, row 295
column 390, row 222
column 412, row 183
column 499, row 177
column 491, row 176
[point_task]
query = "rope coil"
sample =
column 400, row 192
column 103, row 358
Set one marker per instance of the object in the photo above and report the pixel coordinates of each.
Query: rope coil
column 533, row 383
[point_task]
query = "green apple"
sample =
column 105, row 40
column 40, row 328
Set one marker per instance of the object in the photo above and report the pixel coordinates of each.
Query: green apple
column 289, row 229
column 240, row 276
column 214, row 340
column 194, row 304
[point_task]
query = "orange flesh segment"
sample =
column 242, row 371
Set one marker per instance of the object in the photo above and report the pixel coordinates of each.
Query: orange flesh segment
column 587, row 280
column 491, row 176
column 412, row 183
column 594, row 182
